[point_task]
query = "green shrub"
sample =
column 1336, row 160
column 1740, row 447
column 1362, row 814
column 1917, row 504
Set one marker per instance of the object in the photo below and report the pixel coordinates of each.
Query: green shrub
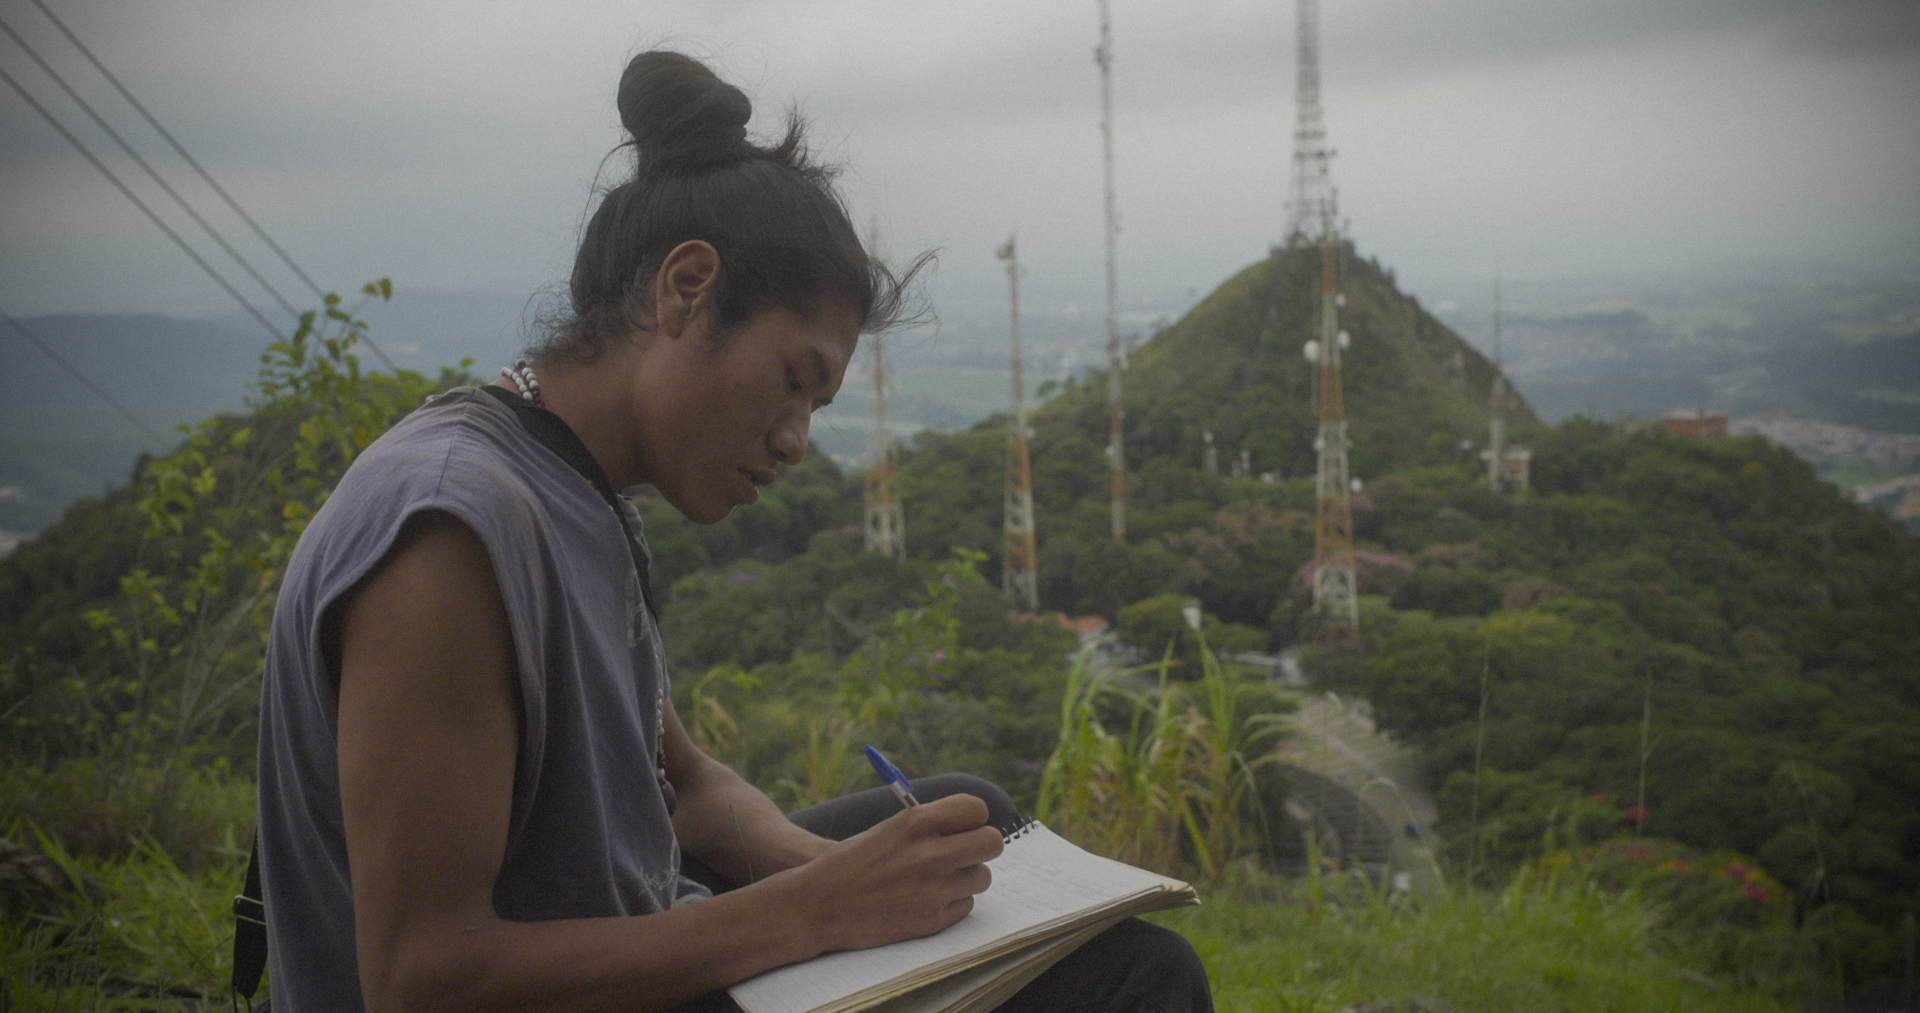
column 99, row 809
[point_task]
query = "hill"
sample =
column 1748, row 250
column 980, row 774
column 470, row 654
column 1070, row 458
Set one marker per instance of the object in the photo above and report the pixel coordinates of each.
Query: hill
column 60, row 442
column 1233, row 367
column 1704, row 618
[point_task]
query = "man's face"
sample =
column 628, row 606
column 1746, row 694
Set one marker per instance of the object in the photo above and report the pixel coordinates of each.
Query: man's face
column 714, row 423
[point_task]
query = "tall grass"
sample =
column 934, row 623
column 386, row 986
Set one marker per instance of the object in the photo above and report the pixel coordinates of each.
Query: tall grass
column 157, row 937
column 1171, row 789
column 103, row 808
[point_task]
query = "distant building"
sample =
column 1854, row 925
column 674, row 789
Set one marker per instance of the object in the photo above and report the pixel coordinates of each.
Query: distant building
column 1695, row 425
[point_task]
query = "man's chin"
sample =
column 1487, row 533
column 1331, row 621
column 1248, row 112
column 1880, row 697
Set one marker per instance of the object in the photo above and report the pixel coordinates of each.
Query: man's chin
column 708, row 513
column 700, row 512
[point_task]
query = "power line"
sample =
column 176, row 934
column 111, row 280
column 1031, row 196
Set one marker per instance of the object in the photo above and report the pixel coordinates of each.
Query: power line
column 201, row 170
column 142, row 205
column 152, row 174
column 82, row 377
column 180, row 149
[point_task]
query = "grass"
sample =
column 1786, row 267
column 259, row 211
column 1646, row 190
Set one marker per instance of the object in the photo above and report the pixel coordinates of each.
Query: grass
column 1564, row 949
column 167, row 846
column 102, row 809
column 161, row 939
column 1153, row 777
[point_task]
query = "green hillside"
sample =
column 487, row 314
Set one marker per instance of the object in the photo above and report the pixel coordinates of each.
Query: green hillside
column 1701, row 620
column 1232, row 366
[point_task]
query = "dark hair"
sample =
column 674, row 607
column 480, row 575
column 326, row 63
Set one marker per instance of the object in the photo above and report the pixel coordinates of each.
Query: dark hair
column 772, row 213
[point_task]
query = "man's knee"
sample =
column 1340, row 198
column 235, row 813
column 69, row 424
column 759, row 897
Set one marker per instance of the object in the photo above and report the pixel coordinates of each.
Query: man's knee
column 1164, row 964
column 1001, row 811
column 1133, row 967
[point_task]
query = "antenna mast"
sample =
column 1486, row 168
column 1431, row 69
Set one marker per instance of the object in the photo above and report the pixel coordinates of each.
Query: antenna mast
column 886, row 522
column 1019, row 570
column 1312, row 201
column 1335, row 585
column 1116, row 357
column 1497, row 421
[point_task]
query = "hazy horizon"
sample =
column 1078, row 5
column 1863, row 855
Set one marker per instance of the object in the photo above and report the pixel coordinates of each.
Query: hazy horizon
column 457, row 155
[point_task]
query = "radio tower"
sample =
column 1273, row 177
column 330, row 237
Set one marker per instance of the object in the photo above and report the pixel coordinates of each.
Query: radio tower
column 1335, row 586
column 1312, row 203
column 1018, row 572
column 1497, row 405
column 886, row 521
column 1116, row 358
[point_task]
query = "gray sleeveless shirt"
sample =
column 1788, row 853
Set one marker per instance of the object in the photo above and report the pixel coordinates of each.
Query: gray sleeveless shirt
column 588, row 833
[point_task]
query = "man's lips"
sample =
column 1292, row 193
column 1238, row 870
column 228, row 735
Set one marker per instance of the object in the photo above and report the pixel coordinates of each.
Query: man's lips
column 755, row 478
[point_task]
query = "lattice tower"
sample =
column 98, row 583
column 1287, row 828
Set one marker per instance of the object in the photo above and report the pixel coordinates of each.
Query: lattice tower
column 886, row 522
column 1335, row 584
column 1497, row 406
column 1116, row 356
column 1312, row 203
column 1019, row 573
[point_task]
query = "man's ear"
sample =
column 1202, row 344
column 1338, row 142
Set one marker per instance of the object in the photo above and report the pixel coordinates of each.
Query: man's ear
column 683, row 288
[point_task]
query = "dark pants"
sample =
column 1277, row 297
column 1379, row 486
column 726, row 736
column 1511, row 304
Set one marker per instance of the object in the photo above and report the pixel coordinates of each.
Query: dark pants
column 1133, row 967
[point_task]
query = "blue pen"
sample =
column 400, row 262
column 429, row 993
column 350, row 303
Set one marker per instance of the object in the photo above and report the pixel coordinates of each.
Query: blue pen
column 891, row 774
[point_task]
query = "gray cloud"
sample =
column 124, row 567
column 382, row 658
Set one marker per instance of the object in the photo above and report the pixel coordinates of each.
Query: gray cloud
column 456, row 151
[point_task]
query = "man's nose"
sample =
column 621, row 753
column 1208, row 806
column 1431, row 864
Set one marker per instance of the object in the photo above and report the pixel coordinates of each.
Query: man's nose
column 789, row 439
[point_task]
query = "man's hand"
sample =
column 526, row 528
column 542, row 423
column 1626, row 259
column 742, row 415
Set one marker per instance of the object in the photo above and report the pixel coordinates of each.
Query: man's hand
column 911, row 876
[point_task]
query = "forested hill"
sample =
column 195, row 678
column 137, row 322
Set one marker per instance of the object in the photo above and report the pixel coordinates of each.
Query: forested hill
column 1234, row 366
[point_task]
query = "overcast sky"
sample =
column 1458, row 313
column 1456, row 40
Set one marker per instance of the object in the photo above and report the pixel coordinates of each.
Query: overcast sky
column 453, row 146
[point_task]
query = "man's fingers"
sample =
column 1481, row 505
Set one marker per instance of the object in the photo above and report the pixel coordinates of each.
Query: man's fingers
column 976, row 878
column 951, row 815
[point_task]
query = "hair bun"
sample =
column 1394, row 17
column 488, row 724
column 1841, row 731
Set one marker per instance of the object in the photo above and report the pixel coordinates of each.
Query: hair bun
column 681, row 115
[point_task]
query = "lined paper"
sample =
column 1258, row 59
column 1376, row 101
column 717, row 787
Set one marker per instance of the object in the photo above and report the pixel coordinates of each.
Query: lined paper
column 1041, row 885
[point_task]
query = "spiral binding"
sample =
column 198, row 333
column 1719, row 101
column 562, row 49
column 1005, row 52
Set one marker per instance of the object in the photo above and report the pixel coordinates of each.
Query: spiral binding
column 1020, row 831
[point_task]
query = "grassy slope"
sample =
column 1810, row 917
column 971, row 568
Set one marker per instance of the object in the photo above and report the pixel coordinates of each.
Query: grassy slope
column 1567, row 950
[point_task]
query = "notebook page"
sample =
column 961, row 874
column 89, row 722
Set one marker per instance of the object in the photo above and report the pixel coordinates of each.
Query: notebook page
column 1038, row 880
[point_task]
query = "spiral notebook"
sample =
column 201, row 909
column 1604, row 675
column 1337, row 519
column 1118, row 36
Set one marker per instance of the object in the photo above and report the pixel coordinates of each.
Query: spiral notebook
column 1047, row 898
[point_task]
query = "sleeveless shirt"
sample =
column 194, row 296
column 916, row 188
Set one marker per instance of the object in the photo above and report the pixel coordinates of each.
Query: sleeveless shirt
column 589, row 833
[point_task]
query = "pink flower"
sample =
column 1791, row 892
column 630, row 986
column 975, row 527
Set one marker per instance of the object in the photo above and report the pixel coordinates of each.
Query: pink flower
column 1600, row 796
column 1754, row 892
column 1679, row 866
column 1637, row 814
column 1737, row 871
column 1637, row 853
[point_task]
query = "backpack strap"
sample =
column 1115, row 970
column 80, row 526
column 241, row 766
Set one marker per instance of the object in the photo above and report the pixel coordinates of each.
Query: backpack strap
column 249, row 931
column 553, row 432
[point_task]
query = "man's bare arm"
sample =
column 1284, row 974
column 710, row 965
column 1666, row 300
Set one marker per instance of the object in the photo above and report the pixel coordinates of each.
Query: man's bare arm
column 427, row 740
column 726, row 822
